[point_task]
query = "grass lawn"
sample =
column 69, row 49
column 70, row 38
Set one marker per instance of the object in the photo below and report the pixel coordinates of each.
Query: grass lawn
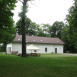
column 53, row 65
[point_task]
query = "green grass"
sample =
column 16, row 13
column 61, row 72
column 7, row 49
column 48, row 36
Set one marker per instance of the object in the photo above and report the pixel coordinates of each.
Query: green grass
column 54, row 65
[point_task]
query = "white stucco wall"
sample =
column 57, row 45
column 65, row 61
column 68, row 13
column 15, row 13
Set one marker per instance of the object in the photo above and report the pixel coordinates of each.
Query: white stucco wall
column 17, row 47
column 59, row 48
column 9, row 45
column 50, row 48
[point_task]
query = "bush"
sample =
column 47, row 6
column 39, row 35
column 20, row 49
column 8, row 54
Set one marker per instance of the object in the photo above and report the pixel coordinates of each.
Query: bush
column 67, row 51
column 14, row 52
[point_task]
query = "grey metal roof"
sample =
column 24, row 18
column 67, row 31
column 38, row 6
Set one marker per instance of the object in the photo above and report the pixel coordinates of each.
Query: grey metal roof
column 37, row 39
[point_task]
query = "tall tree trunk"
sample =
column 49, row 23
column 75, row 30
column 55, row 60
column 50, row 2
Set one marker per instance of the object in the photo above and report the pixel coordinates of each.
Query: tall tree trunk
column 23, row 30
column 4, row 47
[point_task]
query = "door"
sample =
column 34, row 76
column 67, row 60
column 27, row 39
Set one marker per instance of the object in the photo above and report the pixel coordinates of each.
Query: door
column 8, row 49
column 55, row 50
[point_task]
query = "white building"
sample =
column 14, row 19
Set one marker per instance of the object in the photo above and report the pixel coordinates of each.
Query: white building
column 45, row 44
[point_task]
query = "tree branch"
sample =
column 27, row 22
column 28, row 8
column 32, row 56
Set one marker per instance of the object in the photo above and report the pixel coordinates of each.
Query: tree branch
column 20, row 1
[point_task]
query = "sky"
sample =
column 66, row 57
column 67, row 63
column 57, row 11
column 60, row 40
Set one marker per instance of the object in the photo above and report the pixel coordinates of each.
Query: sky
column 45, row 11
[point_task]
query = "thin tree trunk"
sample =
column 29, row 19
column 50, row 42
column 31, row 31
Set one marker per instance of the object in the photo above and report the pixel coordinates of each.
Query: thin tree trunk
column 5, row 44
column 23, row 30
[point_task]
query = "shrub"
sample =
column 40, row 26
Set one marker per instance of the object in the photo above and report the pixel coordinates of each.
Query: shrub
column 67, row 51
column 14, row 52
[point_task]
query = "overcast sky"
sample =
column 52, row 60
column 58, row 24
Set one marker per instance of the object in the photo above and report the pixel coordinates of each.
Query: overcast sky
column 45, row 11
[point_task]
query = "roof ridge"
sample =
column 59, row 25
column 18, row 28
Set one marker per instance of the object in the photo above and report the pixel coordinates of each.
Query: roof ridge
column 38, row 39
column 40, row 36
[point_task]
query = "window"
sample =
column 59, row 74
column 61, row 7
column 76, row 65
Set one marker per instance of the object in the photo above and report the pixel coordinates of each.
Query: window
column 45, row 49
column 35, row 50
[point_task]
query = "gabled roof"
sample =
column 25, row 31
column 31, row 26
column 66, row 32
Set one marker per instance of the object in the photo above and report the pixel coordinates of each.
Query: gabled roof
column 36, row 39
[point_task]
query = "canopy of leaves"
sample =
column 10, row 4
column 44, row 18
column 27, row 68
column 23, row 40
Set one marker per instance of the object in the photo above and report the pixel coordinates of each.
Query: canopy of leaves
column 31, row 28
column 72, row 21
column 6, row 21
column 7, row 29
column 56, row 28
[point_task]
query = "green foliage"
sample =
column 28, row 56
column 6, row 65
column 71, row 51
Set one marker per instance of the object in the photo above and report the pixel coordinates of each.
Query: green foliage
column 65, row 38
column 30, row 27
column 72, row 21
column 56, row 28
column 1, row 48
column 33, row 29
column 6, row 21
column 7, row 29
column 45, row 29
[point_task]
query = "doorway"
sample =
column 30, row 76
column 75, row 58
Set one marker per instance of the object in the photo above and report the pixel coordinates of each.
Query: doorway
column 55, row 50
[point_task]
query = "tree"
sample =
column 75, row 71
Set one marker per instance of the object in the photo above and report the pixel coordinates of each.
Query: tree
column 23, row 29
column 31, row 28
column 19, row 28
column 45, row 29
column 72, row 21
column 56, row 28
column 8, row 36
column 23, row 23
column 6, row 21
column 65, row 38
column 5, row 15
